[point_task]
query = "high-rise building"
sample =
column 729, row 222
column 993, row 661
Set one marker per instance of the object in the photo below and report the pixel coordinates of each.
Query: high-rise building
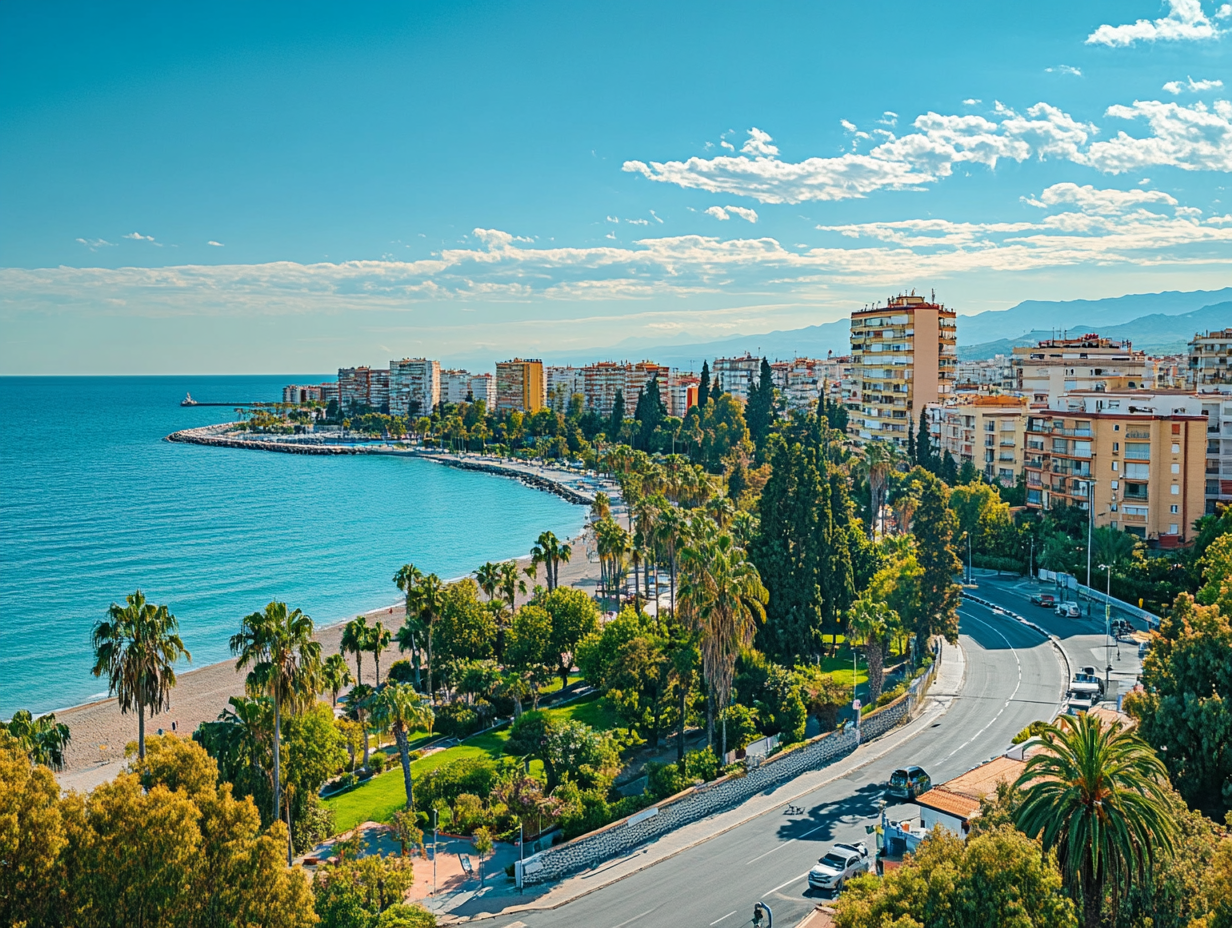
column 800, row 380
column 682, row 394
column 562, row 383
column 1210, row 359
column 603, row 380
column 903, row 356
column 414, row 386
column 1140, row 466
column 737, row 375
column 301, row 393
column 483, row 387
column 1055, row 366
column 360, row 387
column 455, row 386
column 986, row 431
column 378, row 389
column 519, row 385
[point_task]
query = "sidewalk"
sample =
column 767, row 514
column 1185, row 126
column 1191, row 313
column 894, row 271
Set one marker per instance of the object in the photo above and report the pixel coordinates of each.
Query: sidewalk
column 503, row 899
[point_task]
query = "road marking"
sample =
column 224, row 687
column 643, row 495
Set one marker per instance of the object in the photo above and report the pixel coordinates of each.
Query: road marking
column 784, row 844
column 794, row 879
column 633, row 919
column 717, row 920
column 1012, row 695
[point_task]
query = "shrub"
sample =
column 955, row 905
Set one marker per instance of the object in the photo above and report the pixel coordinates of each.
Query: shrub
column 469, row 813
column 406, row 916
column 663, row 780
column 456, row 720
column 742, row 726
column 474, row 775
column 401, row 672
column 378, row 761
column 1029, row 732
column 701, row 765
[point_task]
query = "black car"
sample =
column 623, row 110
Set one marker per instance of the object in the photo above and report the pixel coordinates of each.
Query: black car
column 909, row 782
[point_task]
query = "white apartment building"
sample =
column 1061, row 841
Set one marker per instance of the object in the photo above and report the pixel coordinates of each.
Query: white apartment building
column 414, row 386
column 455, row 386
column 1055, row 366
column 562, row 383
column 736, row 375
column 601, row 381
column 682, row 394
column 799, row 381
column 1210, row 359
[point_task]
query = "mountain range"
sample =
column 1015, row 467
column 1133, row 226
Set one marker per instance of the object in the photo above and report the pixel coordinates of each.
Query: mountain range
column 1160, row 322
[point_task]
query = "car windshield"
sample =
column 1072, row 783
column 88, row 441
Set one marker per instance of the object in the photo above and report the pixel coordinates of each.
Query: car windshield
column 899, row 778
column 833, row 860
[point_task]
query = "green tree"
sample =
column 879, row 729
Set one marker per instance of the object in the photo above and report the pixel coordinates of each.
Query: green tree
column 335, row 676
column 378, row 641
column 528, row 647
column 136, row 648
column 1185, row 707
column 871, row 623
column 823, row 696
column 759, row 410
column 356, row 892
column 32, row 839
column 997, row 878
column 284, row 663
column 616, row 419
column 466, row 629
column 573, row 616
column 1096, row 795
column 934, row 528
column 428, row 598
column 549, row 552
column 703, row 387
column 43, row 738
column 355, row 641
column 400, row 708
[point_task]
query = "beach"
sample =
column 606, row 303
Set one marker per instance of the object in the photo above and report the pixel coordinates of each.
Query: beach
column 100, row 731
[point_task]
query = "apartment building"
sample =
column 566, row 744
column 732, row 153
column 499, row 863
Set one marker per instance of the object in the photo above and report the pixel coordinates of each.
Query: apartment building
column 903, row 356
column 301, row 393
column 601, row 381
column 737, row 375
column 1142, row 469
column 414, row 386
column 562, row 383
column 483, row 387
column 363, row 386
column 987, row 431
column 455, row 386
column 987, row 372
column 519, row 385
column 1210, row 359
column 800, row 381
column 1217, row 406
column 1056, row 366
column 682, row 393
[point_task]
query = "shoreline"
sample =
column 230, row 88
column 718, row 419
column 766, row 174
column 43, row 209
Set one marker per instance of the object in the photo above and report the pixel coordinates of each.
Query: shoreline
column 100, row 732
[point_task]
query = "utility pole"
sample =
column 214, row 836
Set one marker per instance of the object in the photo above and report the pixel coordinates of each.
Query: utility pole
column 1090, row 530
column 434, row 839
column 521, row 857
column 1108, row 633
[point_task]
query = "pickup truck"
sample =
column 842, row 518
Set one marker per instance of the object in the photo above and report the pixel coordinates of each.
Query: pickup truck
column 841, row 863
column 1047, row 600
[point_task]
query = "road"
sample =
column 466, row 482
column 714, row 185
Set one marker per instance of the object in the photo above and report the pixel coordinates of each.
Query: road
column 1013, row 677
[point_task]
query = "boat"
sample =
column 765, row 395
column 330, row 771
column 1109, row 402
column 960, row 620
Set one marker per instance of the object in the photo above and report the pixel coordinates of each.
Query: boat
column 188, row 400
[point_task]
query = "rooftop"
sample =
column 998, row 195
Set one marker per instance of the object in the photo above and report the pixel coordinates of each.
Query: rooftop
column 961, row 796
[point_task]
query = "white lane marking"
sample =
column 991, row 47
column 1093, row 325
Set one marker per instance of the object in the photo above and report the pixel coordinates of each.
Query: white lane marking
column 633, row 919
column 717, row 920
column 1012, row 695
column 783, row 845
column 794, row 879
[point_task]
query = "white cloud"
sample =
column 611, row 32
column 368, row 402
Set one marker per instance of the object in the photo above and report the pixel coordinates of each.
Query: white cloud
column 1091, row 200
column 613, row 219
column 656, row 218
column 1224, row 12
column 1193, row 138
column 717, row 212
column 638, row 222
column 888, row 118
column 94, row 244
column 1185, row 22
column 748, row 215
column 138, row 237
column 972, row 101
column 1175, row 87
column 759, row 145
column 214, row 243
column 1064, row 69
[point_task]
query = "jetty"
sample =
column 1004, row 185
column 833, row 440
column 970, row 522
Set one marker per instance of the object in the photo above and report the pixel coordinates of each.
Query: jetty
column 189, row 401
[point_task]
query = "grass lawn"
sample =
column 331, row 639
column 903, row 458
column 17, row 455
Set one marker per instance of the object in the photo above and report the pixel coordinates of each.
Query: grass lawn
column 383, row 795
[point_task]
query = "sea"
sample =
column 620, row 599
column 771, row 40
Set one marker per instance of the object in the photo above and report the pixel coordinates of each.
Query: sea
column 94, row 504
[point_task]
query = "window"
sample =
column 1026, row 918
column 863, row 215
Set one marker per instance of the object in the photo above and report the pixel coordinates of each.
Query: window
column 1176, row 449
column 1176, row 468
column 1116, row 427
column 1176, row 428
column 1172, row 528
column 1137, row 471
column 1115, row 484
column 1176, row 491
column 1175, row 508
column 1114, row 466
column 1139, row 450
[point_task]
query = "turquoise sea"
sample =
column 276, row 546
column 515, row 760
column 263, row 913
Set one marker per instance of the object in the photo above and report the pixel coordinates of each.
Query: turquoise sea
column 94, row 504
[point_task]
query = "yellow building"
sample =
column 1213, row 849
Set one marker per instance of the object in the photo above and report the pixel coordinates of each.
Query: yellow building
column 520, row 385
column 985, row 430
column 1142, row 471
column 903, row 356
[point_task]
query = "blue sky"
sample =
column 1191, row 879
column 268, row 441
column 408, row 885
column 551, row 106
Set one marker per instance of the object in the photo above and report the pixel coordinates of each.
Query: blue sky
column 243, row 187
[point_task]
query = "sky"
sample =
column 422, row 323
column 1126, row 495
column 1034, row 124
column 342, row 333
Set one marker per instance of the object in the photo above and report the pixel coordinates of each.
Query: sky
column 233, row 188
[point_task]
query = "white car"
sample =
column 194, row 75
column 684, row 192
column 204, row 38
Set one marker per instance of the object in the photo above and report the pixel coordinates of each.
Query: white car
column 1068, row 610
column 841, row 863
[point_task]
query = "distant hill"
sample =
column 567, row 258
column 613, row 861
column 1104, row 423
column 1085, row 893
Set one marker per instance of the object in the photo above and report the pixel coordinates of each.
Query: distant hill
column 1161, row 322
column 1157, row 333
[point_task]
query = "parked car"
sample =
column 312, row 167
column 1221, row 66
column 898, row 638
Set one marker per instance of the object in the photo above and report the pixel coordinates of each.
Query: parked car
column 841, row 863
column 1044, row 599
column 1067, row 610
column 909, row 782
column 1088, row 680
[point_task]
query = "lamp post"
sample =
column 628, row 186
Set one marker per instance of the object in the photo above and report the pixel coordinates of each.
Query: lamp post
column 1090, row 531
column 1108, row 629
column 434, row 839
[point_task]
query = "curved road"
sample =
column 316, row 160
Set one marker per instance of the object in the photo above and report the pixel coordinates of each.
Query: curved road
column 1013, row 677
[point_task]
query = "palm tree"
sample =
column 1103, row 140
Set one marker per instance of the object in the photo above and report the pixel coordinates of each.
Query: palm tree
column 358, row 702
column 43, row 739
column 670, row 531
column 429, row 596
column 355, row 641
column 488, row 578
column 722, row 597
column 137, row 647
column 879, row 459
column 647, row 516
column 550, row 552
column 601, row 508
column 613, row 544
column 1097, row 795
column 871, row 623
column 336, row 675
column 510, row 584
column 378, row 641
column 284, row 663
column 406, row 579
column 399, row 707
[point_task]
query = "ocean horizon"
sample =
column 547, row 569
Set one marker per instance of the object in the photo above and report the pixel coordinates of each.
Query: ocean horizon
column 94, row 504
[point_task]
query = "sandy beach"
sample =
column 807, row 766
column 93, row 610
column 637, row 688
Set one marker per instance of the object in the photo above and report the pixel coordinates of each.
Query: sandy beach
column 100, row 732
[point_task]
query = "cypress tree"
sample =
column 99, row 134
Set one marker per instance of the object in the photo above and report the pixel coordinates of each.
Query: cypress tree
column 934, row 525
column 911, row 452
column 716, row 389
column 759, row 411
column 617, row 419
column 650, row 412
column 703, row 388
column 949, row 469
column 923, row 445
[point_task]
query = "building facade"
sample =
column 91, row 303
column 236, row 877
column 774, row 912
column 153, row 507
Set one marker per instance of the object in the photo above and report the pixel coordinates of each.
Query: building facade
column 987, row 431
column 1210, row 359
column 455, row 386
column 483, row 387
column 414, row 386
column 363, row 386
column 1051, row 368
column 301, row 393
column 1142, row 471
column 601, row 382
column 519, row 385
column 904, row 356
column 799, row 381
column 682, row 394
column 737, row 375
column 562, row 383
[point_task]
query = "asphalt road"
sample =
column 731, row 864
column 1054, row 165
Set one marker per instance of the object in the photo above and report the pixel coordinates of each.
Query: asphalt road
column 1013, row 677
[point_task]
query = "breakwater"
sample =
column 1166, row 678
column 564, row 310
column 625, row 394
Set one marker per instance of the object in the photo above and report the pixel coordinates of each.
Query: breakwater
column 221, row 436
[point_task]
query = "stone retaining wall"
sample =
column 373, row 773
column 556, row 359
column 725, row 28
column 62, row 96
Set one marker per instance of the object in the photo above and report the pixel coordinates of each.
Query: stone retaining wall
column 717, row 796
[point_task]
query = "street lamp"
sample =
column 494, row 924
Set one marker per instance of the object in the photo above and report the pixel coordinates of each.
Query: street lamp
column 1090, row 532
column 1108, row 628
